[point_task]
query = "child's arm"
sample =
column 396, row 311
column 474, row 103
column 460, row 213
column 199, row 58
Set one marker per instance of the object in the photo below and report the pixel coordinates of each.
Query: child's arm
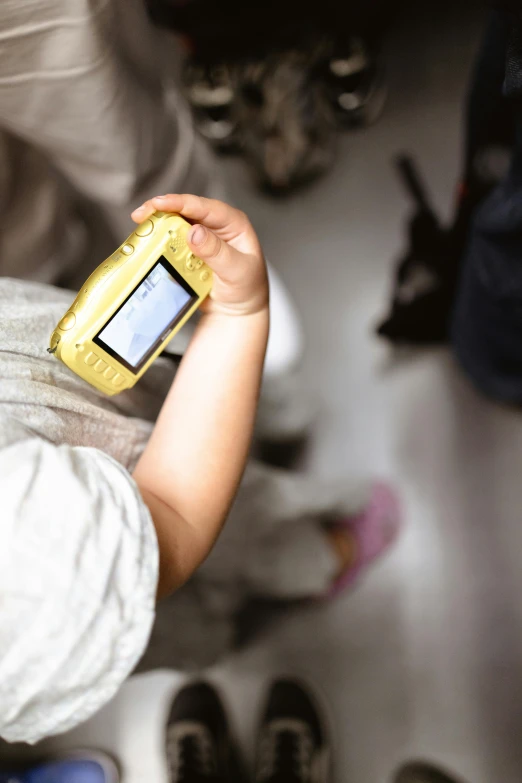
column 192, row 465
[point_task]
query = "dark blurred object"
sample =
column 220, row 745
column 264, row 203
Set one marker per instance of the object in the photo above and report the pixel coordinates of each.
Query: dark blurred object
column 286, row 122
column 67, row 766
column 420, row 772
column 235, row 30
column 354, row 78
column 427, row 278
column 212, row 92
column 487, row 321
column 270, row 80
column 287, row 454
column 281, row 110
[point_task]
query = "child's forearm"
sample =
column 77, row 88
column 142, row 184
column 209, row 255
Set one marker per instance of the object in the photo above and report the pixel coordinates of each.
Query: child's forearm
column 191, row 467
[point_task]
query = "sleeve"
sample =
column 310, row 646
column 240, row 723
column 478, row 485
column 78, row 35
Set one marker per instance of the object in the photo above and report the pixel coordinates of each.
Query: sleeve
column 78, row 577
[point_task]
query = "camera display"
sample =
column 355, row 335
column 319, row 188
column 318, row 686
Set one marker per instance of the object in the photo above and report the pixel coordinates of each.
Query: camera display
column 147, row 316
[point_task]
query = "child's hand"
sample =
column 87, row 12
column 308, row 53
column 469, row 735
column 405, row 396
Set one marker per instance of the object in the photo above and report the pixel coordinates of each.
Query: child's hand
column 224, row 238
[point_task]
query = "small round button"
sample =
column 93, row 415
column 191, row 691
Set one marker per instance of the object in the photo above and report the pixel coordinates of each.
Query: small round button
column 190, row 263
column 204, row 275
column 145, row 228
column 127, row 249
column 67, row 322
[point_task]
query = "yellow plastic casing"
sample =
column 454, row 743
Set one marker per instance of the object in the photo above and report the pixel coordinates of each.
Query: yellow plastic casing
column 107, row 289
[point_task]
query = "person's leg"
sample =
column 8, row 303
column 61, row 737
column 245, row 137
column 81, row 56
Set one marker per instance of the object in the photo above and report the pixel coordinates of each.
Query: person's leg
column 490, row 129
column 427, row 276
column 286, row 406
column 316, row 558
column 305, row 538
column 489, row 117
column 288, row 537
column 488, row 314
column 41, row 233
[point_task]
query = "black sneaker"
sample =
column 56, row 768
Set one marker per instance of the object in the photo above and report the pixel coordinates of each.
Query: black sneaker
column 285, row 119
column 293, row 746
column 199, row 745
column 418, row 772
column 356, row 84
column 211, row 92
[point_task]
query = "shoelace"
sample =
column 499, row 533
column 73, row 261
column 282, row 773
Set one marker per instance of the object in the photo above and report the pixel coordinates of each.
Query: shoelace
column 285, row 757
column 193, row 761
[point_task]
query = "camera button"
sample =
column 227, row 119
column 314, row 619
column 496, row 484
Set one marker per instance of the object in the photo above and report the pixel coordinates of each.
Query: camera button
column 144, row 229
column 91, row 358
column 127, row 249
column 100, row 366
column 204, row 275
column 67, row 322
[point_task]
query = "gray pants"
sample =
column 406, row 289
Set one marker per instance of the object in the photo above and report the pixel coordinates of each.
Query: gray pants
column 272, row 547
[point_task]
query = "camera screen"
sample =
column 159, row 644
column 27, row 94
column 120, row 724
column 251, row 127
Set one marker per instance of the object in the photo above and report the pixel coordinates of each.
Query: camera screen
column 147, row 317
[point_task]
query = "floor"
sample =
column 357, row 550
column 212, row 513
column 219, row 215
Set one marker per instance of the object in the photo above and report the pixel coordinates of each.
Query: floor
column 424, row 659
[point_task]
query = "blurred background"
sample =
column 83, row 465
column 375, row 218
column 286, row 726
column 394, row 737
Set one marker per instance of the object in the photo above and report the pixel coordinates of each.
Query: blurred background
column 308, row 111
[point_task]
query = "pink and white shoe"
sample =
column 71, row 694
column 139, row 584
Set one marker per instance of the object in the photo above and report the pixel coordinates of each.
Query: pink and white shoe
column 375, row 529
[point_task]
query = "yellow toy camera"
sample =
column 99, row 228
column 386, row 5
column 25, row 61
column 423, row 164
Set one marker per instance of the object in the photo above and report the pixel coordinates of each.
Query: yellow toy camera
column 132, row 305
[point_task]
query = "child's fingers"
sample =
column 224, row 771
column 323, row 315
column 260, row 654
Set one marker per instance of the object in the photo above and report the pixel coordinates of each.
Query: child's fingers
column 143, row 212
column 171, row 203
column 211, row 213
column 219, row 255
column 217, row 215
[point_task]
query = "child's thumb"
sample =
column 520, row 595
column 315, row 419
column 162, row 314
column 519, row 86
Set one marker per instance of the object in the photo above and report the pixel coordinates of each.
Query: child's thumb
column 205, row 244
